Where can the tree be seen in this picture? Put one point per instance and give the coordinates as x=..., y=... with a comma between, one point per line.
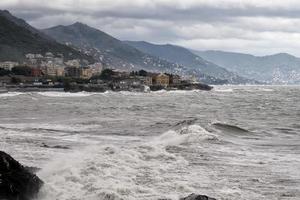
x=4, y=72
x=143, y=73
x=21, y=70
x=106, y=74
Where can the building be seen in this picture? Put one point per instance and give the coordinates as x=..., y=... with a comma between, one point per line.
x=49, y=55
x=96, y=68
x=117, y=74
x=49, y=69
x=33, y=60
x=129, y=84
x=73, y=72
x=30, y=56
x=175, y=79
x=86, y=72
x=60, y=71
x=36, y=72
x=161, y=79
x=58, y=61
x=146, y=80
x=73, y=63
x=8, y=65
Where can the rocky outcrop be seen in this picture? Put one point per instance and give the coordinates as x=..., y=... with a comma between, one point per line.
x=16, y=181
x=197, y=197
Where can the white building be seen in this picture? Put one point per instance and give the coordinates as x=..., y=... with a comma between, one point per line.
x=8, y=65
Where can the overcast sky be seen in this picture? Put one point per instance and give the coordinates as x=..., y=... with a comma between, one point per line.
x=259, y=27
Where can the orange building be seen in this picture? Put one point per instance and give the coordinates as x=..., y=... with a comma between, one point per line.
x=161, y=79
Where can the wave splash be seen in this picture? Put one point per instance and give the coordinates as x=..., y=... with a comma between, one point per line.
x=186, y=134
x=143, y=170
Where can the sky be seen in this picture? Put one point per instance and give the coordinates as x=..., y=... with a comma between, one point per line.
x=259, y=27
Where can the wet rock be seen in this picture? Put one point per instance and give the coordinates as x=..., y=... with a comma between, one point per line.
x=197, y=197
x=16, y=181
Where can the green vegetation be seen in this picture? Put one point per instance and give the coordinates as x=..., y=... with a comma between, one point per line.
x=21, y=70
x=106, y=74
x=139, y=73
x=4, y=72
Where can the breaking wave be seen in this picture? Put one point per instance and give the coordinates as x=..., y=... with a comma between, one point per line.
x=187, y=134
x=229, y=127
x=143, y=170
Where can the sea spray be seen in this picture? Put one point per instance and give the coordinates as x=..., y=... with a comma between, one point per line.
x=127, y=172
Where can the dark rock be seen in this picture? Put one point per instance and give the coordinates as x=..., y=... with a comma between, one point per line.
x=32, y=169
x=197, y=197
x=16, y=181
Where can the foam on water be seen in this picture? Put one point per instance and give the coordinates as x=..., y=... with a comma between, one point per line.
x=11, y=94
x=188, y=134
x=222, y=90
x=140, y=170
x=266, y=89
x=65, y=94
x=249, y=88
x=116, y=150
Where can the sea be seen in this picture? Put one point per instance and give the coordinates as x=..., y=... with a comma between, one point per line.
x=231, y=143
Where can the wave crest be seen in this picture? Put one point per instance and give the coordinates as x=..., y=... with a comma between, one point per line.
x=229, y=127
x=188, y=134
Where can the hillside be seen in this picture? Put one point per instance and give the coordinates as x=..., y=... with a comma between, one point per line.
x=18, y=38
x=107, y=49
x=277, y=68
x=120, y=55
x=185, y=57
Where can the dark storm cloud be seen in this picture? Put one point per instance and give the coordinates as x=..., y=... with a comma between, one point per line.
x=197, y=13
x=264, y=26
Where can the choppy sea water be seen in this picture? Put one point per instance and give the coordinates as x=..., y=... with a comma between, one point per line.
x=235, y=142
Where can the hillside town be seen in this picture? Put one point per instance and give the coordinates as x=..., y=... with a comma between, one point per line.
x=50, y=72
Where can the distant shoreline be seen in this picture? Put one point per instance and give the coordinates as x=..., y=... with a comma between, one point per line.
x=100, y=89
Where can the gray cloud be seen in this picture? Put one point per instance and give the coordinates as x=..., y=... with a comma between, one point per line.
x=258, y=27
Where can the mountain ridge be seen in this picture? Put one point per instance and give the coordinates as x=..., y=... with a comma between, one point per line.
x=185, y=57
x=115, y=53
x=276, y=68
x=18, y=38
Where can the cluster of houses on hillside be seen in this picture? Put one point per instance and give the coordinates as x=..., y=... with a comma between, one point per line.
x=49, y=71
x=144, y=77
x=51, y=65
x=135, y=81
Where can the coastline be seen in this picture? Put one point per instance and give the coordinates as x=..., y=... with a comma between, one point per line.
x=102, y=88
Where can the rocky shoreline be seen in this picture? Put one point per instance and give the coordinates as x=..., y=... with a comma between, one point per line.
x=18, y=182
x=138, y=88
x=103, y=88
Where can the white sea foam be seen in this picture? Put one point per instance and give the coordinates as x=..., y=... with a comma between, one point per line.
x=265, y=89
x=11, y=94
x=140, y=164
x=189, y=134
x=66, y=94
x=112, y=172
x=143, y=170
x=222, y=90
